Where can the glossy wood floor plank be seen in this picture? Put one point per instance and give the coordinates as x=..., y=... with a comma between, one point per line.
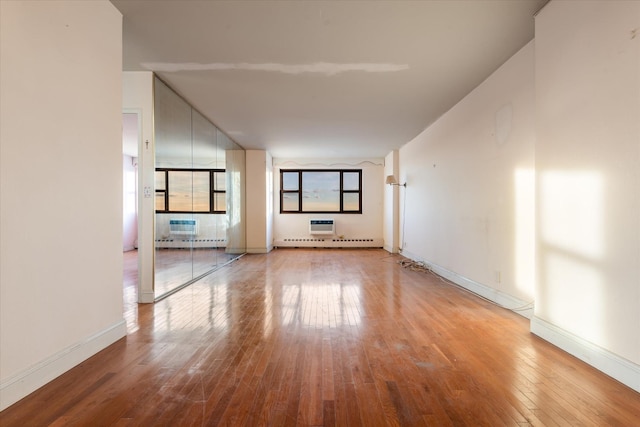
x=325, y=338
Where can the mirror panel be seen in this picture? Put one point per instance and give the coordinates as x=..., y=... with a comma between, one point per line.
x=199, y=194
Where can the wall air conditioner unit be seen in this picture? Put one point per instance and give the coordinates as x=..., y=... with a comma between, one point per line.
x=187, y=227
x=322, y=226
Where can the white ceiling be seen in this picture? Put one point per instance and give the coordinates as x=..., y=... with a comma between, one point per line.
x=324, y=78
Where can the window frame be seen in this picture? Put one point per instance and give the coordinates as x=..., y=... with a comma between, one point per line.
x=212, y=190
x=299, y=191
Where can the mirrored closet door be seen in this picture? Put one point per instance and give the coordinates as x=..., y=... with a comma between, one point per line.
x=199, y=176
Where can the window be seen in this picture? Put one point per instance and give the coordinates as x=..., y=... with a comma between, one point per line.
x=321, y=191
x=190, y=190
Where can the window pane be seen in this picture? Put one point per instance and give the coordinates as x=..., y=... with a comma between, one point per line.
x=290, y=201
x=160, y=184
x=351, y=201
x=290, y=181
x=220, y=201
x=351, y=181
x=321, y=191
x=201, y=191
x=188, y=191
x=219, y=182
x=180, y=192
x=160, y=201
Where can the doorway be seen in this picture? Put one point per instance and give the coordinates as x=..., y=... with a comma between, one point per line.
x=130, y=143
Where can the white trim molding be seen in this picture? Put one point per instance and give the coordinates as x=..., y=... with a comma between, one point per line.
x=260, y=250
x=23, y=383
x=146, y=297
x=628, y=373
x=391, y=249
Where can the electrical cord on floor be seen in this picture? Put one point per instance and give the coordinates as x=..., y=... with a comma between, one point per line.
x=424, y=267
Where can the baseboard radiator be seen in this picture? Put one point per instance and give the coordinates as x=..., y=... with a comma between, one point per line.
x=330, y=242
x=186, y=243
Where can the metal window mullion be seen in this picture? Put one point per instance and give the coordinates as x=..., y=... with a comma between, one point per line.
x=212, y=206
x=299, y=191
x=341, y=191
x=166, y=191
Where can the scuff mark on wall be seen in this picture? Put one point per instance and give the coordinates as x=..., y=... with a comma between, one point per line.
x=326, y=68
x=504, y=118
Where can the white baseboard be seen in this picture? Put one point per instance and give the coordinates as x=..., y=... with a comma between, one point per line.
x=391, y=249
x=23, y=383
x=181, y=243
x=259, y=250
x=505, y=300
x=146, y=297
x=628, y=373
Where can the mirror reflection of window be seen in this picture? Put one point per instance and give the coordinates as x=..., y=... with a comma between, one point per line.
x=219, y=192
x=161, y=190
x=189, y=191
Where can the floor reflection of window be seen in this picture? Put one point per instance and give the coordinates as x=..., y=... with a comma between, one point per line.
x=324, y=305
x=212, y=313
x=219, y=307
x=267, y=327
x=290, y=295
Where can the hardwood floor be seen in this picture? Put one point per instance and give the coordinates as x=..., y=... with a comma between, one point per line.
x=177, y=266
x=326, y=337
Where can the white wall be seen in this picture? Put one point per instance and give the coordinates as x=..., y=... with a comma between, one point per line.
x=356, y=229
x=270, y=200
x=235, y=174
x=390, y=228
x=259, y=175
x=129, y=203
x=137, y=97
x=60, y=188
x=588, y=183
x=469, y=195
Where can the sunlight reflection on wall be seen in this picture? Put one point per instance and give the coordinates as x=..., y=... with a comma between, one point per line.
x=525, y=231
x=234, y=184
x=571, y=249
x=234, y=164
